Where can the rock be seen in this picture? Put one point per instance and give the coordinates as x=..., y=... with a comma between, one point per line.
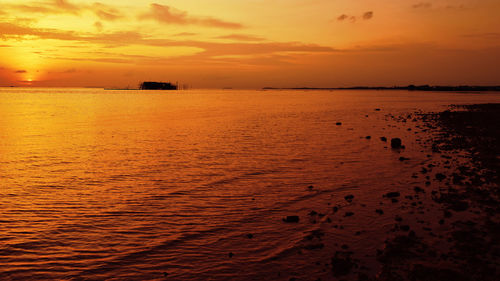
x=459, y=206
x=349, y=214
x=418, y=189
x=339, y=123
x=396, y=143
x=314, y=246
x=310, y=187
x=440, y=177
x=384, y=139
x=392, y=194
x=403, y=158
x=291, y=219
x=165, y=274
x=379, y=211
x=405, y=227
x=231, y=255
x=349, y=198
x=250, y=235
x=447, y=214
x=335, y=209
x=424, y=272
x=342, y=263
x=400, y=248
x=377, y=109
x=368, y=137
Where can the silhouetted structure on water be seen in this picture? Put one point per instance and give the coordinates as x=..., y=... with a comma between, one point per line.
x=157, y=86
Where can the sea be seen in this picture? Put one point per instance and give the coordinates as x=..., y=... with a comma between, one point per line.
x=194, y=185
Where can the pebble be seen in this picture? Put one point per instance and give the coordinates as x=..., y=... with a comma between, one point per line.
x=396, y=143
x=292, y=219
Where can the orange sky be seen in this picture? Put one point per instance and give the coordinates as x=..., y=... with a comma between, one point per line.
x=249, y=43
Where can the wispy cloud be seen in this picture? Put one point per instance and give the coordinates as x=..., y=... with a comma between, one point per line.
x=368, y=15
x=104, y=12
x=98, y=25
x=345, y=17
x=241, y=37
x=422, y=5
x=246, y=46
x=67, y=71
x=65, y=5
x=489, y=35
x=430, y=5
x=168, y=15
x=342, y=17
x=11, y=30
x=185, y=34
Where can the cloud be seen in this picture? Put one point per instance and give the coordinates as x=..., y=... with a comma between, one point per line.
x=168, y=15
x=98, y=25
x=456, y=7
x=185, y=34
x=40, y=9
x=490, y=35
x=368, y=15
x=344, y=17
x=241, y=37
x=10, y=30
x=65, y=5
x=104, y=12
x=422, y=5
x=67, y=71
x=243, y=47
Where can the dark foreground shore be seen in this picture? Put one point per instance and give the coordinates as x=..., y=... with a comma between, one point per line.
x=447, y=227
x=466, y=246
x=461, y=241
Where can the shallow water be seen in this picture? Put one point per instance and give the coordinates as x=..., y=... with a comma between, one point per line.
x=127, y=185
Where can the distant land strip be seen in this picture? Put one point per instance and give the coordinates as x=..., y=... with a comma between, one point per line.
x=408, y=88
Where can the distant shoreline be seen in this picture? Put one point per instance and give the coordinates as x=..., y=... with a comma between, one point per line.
x=426, y=88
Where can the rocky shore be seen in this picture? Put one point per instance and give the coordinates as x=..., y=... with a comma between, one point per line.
x=466, y=241
x=447, y=228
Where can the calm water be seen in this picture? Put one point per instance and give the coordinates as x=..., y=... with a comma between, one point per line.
x=126, y=185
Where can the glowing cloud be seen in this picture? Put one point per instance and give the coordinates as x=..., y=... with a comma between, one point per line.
x=168, y=15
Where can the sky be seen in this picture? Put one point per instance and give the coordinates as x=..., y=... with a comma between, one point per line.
x=249, y=43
